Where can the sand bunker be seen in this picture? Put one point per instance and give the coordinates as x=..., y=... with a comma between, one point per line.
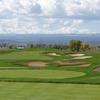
x=76, y=55
x=79, y=56
x=84, y=65
x=97, y=69
x=69, y=62
x=53, y=54
x=83, y=57
x=37, y=63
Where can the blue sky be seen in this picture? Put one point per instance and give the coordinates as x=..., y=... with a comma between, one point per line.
x=49, y=16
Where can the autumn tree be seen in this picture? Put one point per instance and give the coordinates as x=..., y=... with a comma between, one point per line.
x=84, y=46
x=92, y=47
x=75, y=45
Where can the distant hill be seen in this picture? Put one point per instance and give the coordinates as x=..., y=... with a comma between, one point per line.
x=8, y=41
x=49, y=38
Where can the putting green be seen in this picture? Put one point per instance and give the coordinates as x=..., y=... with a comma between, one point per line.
x=47, y=74
x=40, y=91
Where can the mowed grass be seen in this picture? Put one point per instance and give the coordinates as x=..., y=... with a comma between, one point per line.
x=13, y=69
x=22, y=55
x=46, y=74
x=13, y=60
x=46, y=91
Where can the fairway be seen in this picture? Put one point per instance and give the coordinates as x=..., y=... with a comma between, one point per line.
x=34, y=55
x=45, y=91
x=48, y=74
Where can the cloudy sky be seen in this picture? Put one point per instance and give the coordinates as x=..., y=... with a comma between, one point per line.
x=49, y=16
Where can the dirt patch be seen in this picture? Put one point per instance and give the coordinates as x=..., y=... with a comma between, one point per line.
x=53, y=54
x=84, y=65
x=83, y=57
x=37, y=63
x=76, y=55
x=69, y=62
x=97, y=69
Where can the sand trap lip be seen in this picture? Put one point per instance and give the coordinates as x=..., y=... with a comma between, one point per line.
x=53, y=54
x=84, y=65
x=83, y=57
x=76, y=55
x=97, y=69
x=37, y=63
x=69, y=62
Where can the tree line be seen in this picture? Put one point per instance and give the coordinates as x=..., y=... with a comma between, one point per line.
x=74, y=45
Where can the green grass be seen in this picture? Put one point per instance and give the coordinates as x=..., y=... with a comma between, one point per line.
x=37, y=91
x=13, y=69
x=22, y=55
x=13, y=60
x=45, y=74
x=73, y=64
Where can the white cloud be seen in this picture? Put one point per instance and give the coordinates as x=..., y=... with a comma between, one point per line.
x=50, y=20
x=77, y=22
x=46, y=25
x=82, y=8
x=53, y=8
x=1, y=29
x=84, y=31
x=66, y=30
x=48, y=6
x=66, y=23
x=34, y=16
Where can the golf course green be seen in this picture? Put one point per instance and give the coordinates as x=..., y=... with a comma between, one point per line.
x=48, y=74
x=63, y=78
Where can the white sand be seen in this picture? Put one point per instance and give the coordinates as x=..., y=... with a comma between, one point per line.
x=83, y=57
x=53, y=54
x=77, y=55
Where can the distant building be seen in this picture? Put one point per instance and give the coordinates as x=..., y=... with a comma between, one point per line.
x=21, y=47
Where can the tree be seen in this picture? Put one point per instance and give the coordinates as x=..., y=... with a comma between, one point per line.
x=78, y=45
x=49, y=45
x=72, y=45
x=31, y=45
x=84, y=46
x=57, y=46
x=75, y=45
x=92, y=47
x=65, y=47
x=13, y=46
x=4, y=44
x=98, y=47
